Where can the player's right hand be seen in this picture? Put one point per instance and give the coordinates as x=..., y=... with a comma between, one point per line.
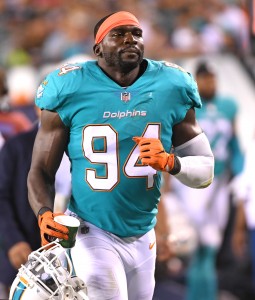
x=50, y=229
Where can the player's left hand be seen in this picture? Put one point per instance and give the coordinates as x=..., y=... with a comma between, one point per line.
x=152, y=153
x=50, y=229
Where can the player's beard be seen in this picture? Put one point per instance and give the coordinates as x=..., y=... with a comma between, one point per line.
x=115, y=60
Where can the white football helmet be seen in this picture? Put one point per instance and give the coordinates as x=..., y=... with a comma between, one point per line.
x=48, y=275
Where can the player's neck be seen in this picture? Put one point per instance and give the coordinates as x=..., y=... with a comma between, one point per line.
x=124, y=77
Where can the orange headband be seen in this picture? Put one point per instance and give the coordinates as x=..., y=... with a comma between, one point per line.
x=115, y=20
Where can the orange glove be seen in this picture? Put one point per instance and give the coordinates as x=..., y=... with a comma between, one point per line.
x=51, y=229
x=153, y=154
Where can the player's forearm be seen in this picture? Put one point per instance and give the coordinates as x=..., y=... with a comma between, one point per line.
x=41, y=190
x=196, y=162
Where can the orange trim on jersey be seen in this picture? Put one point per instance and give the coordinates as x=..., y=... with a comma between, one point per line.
x=118, y=19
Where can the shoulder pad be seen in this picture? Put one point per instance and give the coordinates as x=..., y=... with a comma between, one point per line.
x=175, y=66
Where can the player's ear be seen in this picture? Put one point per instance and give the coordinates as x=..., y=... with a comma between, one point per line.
x=97, y=50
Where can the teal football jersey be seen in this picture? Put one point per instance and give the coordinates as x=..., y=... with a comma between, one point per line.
x=216, y=119
x=110, y=187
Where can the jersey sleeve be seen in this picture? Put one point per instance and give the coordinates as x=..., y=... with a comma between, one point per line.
x=56, y=90
x=191, y=88
x=185, y=84
x=181, y=89
x=47, y=96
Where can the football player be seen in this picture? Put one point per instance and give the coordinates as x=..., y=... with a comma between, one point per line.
x=117, y=118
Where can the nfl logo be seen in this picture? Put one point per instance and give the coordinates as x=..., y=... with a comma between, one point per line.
x=125, y=97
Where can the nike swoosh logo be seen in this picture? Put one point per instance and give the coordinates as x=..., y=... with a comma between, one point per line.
x=151, y=245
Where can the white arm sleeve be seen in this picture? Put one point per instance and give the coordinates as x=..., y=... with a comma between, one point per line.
x=197, y=162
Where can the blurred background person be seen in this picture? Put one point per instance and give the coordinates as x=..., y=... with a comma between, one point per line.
x=243, y=237
x=209, y=209
x=1, y=140
x=19, y=230
x=182, y=240
x=18, y=225
x=11, y=122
